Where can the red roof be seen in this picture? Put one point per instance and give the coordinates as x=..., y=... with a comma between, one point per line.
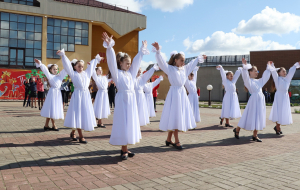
x=94, y=3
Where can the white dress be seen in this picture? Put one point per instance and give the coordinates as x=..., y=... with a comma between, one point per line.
x=140, y=96
x=148, y=87
x=126, y=126
x=254, y=116
x=177, y=113
x=191, y=87
x=101, y=104
x=281, y=109
x=80, y=114
x=53, y=107
x=230, y=104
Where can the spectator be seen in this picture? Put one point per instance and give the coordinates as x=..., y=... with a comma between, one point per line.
x=94, y=89
x=46, y=86
x=111, y=93
x=265, y=92
x=198, y=92
x=40, y=90
x=63, y=88
x=27, y=90
x=154, y=93
x=33, y=93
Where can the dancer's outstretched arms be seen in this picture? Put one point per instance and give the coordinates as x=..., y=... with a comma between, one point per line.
x=266, y=75
x=222, y=72
x=45, y=70
x=160, y=60
x=192, y=64
x=146, y=76
x=136, y=62
x=66, y=63
x=91, y=67
x=292, y=71
x=236, y=75
x=245, y=73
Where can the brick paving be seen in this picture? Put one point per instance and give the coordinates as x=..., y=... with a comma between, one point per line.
x=212, y=158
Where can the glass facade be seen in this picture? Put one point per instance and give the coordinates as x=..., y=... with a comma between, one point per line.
x=20, y=39
x=65, y=34
x=23, y=2
x=221, y=60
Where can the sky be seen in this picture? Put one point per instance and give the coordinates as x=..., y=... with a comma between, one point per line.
x=217, y=27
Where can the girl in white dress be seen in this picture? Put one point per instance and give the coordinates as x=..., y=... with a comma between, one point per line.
x=80, y=114
x=53, y=107
x=281, y=109
x=101, y=104
x=149, y=96
x=141, y=100
x=126, y=126
x=191, y=87
x=254, y=116
x=230, y=104
x=177, y=114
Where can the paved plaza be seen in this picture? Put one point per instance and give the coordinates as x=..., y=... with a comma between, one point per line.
x=212, y=158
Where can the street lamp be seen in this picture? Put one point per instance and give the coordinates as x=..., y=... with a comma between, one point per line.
x=209, y=88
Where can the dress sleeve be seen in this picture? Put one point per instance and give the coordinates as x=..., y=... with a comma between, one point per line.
x=45, y=70
x=161, y=61
x=237, y=75
x=223, y=74
x=66, y=63
x=192, y=64
x=111, y=60
x=245, y=75
x=136, y=62
x=195, y=72
x=274, y=75
x=89, y=70
x=62, y=74
x=146, y=76
x=155, y=83
x=292, y=71
x=266, y=75
x=94, y=75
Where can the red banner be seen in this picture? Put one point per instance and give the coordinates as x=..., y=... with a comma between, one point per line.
x=11, y=82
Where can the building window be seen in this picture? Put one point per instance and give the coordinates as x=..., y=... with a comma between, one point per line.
x=20, y=39
x=65, y=34
x=23, y=2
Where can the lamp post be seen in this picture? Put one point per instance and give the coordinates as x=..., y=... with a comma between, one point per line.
x=209, y=88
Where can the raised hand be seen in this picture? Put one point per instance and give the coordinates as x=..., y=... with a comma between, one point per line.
x=218, y=67
x=244, y=61
x=88, y=63
x=58, y=52
x=156, y=45
x=145, y=43
x=204, y=56
x=270, y=62
x=37, y=61
x=106, y=38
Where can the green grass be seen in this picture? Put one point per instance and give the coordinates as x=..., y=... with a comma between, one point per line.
x=297, y=110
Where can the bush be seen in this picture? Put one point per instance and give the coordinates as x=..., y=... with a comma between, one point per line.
x=297, y=111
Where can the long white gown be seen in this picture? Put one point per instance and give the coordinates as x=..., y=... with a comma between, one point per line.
x=101, y=104
x=230, y=104
x=53, y=107
x=281, y=109
x=148, y=87
x=191, y=87
x=141, y=98
x=126, y=126
x=80, y=114
x=177, y=112
x=254, y=116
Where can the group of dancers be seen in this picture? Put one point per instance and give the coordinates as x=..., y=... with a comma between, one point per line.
x=133, y=107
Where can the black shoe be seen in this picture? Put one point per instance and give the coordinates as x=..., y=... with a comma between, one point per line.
x=102, y=126
x=178, y=147
x=256, y=139
x=35, y=107
x=98, y=125
x=227, y=125
x=169, y=143
x=280, y=132
x=39, y=108
x=221, y=121
x=54, y=129
x=73, y=138
x=124, y=157
x=81, y=141
x=130, y=155
x=47, y=128
x=277, y=132
x=236, y=134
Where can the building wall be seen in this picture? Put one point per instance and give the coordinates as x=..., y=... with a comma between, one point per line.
x=282, y=58
x=127, y=43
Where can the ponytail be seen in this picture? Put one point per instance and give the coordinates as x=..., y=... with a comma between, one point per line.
x=173, y=57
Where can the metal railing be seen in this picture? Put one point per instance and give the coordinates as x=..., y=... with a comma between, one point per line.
x=228, y=60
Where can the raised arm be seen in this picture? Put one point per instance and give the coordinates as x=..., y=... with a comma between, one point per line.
x=136, y=62
x=146, y=76
x=192, y=64
x=222, y=72
x=45, y=70
x=266, y=75
x=91, y=67
x=195, y=72
x=156, y=82
x=274, y=75
x=292, y=71
x=66, y=63
x=159, y=59
x=111, y=56
x=236, y=75
x=245, y=75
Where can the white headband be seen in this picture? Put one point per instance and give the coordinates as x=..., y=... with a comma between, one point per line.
x=175, y=53
x=74, y=61
x=50, y=65
x=227, y=72
x=122, y=54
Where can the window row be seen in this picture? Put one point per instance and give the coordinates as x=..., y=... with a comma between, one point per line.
x=4, y=51
x=21, y=18
x=20, y=26
x=66, y=39
x=67, y=24
x=20, y=35
x=20, y=43
x=67, y=31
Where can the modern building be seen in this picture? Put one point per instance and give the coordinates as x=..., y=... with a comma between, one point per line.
x=38, y=28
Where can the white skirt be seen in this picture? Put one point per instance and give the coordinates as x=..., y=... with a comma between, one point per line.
x=193, y=98
x=177, y=113
x=150, y=104
x=281, y=109
x=231, y=106
x=254, y=116
x=126, y=126
x=101, y=105
x=53, y=105
x=80, y=114
x=142, y=108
